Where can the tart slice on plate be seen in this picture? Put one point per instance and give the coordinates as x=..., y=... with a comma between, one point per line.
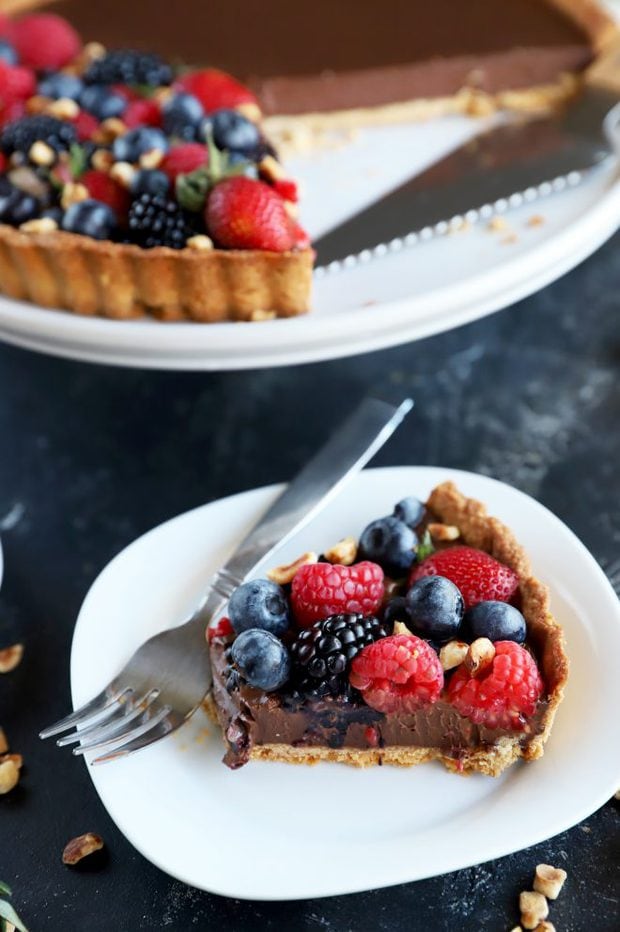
x=427, y=639
x=129, y=188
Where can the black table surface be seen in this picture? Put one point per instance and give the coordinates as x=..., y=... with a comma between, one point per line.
x=91, y=457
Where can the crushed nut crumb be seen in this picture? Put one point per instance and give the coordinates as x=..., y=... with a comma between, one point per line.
x=9, y=776
x=344, y=552
x=81, y=847
x=282, y=575
x=536, y=220
x=250, y=111
x=200, y=243
x=443, y=531
x=73, y=193
x=109, y=130
x=271, y=169
x=545, y=926
x=4, y=744
x=151, y=159
x=549, y=880
x=260, y=314
x=123, y=172
x=17, y=759
x=10, y=657
x=479, y=655
x=453, y=654
x=102, y=160
x=400, y=628
x=63, y=109
x=497, y=224
x=41, y=154
x=39, y=225
x=534, y=908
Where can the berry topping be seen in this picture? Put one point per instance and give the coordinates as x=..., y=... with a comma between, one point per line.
x=90, y=218
x=245, y=214
x=156, y=221
x=323, y=653
x=103, y=188
x=216, y=89
x=183, y=159
x=400, y=673
x=479, y=576
x=396, y=610
x=503, y=694
x=319, y=590
x=45, y=41
x=221, y=629
x=57, y=85
x=16, y=84
x=17, y=206
x=259, y=603
x=131, y=145
x=102, y=102
x=410, y=510
x=85, y=125
x=21, y=135
x=8, y=53
x=150, y=181
x=261, y=659
x=182, y=115
x=142, y=112
x=435, y=608
x=391, y=544
x=235, y=133
x=496, y=621
x=126, y=66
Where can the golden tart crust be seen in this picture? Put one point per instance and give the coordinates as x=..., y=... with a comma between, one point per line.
x=478, y=529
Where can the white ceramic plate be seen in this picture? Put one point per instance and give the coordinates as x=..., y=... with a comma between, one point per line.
x=405, y=296
x=272, y=831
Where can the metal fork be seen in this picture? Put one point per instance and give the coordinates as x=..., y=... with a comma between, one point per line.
x=169, y=676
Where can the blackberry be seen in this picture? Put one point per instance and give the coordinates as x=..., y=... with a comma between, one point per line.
x=20, y=135
x=322, y=653
x=155, y=220
x=127, y=66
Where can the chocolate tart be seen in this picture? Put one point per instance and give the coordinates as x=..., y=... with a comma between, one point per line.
x=258, y=725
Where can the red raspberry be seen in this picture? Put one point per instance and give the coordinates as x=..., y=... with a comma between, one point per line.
x=14, y=110
x=215, y=89
x=184, y=159
x=479, y=577
x=219, y=630
x=400, y=673
x=85, y=125
x=142, y=113
x=287, y=189
x=106, y=189
x=319, y=590
x=245, y=214
x=45, y=41
x=502, y=695
x=16, y=83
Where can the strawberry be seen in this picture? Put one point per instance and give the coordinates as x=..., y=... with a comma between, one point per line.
x=103, y=188
x=45, y=41
x=85, y=125
x=7, y=27
x=245, y=214
x=183, y=159
x=287, y=189
x=478, y=575
x=16, y=83
x=142, y=112
x=216, y=89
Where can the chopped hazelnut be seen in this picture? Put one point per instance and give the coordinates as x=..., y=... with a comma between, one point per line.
x=41, y=154
x=480, y=654
x=497, y=224
x=549, y=880
x=81, y=847
x=10, y=657
x=39, y=225
x=109, y=130
x=344, y=552
x=17, y=759
x=123, y=173
x=443, y=531
x=271, y=169
x=151, y=159
x=453, y=654
x=37, y=104
x=400, y=628
x=260, y=314
x=73, y=193
x=284, y=574
x=4, y=744
x=200, y=243
x=102, y=160
x=535, y=221
x=545, y=926
x=534, y=908
x=63, y=109
x=250, y=111
x=9, y=776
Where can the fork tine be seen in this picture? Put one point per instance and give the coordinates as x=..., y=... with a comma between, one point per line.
x=123, y=711
x=158, y=727
x=90, y=710
x=118, y=730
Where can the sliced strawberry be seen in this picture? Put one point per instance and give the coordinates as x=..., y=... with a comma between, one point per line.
x=103, y=188
x=142, y=112
x=184, y=158
x=85, y=125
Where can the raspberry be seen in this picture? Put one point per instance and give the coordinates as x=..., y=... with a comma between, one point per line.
x=85, y=125
x=502, y=695
x=16, y=83
x=142, y=113
x=319, y=590
x=184, y=159
x=45, y=41
x=215, y=89
x=400, y=673
x=103, y=188
x=479, y=577
x=242, y=213
x=220, y=630
x=287, y=189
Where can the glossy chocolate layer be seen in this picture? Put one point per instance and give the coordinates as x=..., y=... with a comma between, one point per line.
x=350, y=53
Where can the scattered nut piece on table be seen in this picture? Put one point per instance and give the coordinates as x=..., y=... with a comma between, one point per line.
x=549, y=880
x=81, y=847
x=10, y=657
x=9, y=776
x=534, y=908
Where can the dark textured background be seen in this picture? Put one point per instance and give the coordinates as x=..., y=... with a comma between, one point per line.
x=91, y=457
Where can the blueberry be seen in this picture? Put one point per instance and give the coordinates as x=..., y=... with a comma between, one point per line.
x=390, y=543
x=182, y=115
x=90, y=218
x=262, y=659
x=410, y=510
x=496, y=621
x=435, y=608
x=59, y=85
x=54, y=213
x=101, y=102
x=130, y=146
x=8, y=53
x=150, y=181
x=234, y=132
x=396, y=610
x=17, y=207
x=259, y=604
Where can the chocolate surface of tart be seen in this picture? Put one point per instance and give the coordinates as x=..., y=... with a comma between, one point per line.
x=286, y=726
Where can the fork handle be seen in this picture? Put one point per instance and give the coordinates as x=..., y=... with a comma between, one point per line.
x=342, y=457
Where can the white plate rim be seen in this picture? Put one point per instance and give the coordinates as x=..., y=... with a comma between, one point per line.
x=453, y=859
